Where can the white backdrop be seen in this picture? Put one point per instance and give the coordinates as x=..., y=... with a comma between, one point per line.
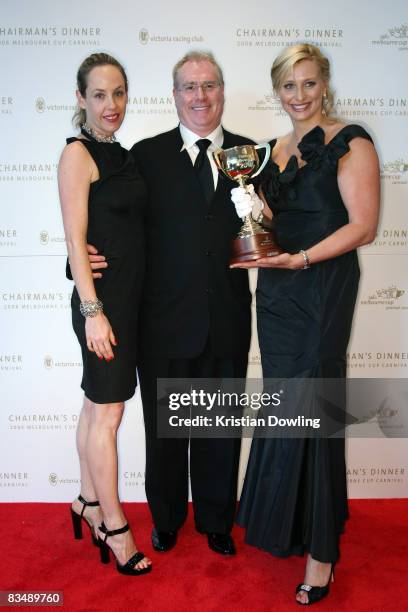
x=42, y=44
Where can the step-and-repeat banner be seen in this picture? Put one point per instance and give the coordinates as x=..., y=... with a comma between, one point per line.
x=42, y=43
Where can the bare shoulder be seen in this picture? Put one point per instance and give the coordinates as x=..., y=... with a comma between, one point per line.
x=74, y=150
x=75, y=159
x=361, y=156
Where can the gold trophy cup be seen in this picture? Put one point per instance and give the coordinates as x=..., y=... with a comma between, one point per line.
x=240, y=164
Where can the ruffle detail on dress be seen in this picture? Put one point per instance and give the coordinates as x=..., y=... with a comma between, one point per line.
x=272, y=180
x=269, y=182
x=315, y=152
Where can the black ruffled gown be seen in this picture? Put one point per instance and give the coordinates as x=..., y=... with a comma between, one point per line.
x=294, y=498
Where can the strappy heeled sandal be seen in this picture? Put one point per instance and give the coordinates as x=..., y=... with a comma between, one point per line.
x=315, y=593
x=78, y=518
x=129, y=567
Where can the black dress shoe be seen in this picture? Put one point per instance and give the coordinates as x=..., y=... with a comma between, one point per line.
x=221, y=543
x=163, y=540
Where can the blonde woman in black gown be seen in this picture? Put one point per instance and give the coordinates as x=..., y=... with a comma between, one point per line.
x=322, y=192
x=102, y=200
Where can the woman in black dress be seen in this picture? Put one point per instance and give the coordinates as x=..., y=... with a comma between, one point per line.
x=102, y=199
x=322, y=192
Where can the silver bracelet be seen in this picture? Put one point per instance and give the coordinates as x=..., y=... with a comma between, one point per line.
x=89, y=308
x=305, y=259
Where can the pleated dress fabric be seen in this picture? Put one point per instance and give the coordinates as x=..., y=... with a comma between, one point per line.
x=294, y=498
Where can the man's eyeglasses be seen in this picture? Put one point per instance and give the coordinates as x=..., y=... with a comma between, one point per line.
x=206, y=86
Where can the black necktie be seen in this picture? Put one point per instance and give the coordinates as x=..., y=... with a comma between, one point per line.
x=203, y=168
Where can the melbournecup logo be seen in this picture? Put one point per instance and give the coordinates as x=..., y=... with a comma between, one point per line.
x=395, y=171
x=396, y=37
x=267, y=102
x=390, y=293
x=397, y=166
x=386, y=296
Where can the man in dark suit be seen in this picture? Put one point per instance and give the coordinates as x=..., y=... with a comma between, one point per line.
x=195, y=317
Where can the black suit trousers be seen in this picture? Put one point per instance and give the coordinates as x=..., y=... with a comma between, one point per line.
x=214, y=462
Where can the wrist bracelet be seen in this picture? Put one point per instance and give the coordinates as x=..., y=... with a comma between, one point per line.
x=89, y=308
x=305, y=259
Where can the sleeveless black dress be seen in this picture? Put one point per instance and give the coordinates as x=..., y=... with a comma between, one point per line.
x=115, y=227
x=294, y=498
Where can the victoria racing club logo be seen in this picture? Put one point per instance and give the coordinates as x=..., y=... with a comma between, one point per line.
x=53, y=479
x=143, y=36
x=40, y=105
x=48, y=362
x=44, y=237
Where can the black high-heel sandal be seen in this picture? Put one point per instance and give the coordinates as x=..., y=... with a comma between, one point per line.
x=315, y=593
x=78, y=518
x=129, y=567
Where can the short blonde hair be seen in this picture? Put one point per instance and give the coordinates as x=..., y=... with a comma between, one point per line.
x=284, y=63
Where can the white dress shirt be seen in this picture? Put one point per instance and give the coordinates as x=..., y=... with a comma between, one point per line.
x=189, y=140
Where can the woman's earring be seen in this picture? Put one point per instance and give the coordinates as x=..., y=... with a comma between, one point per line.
x=324, y=102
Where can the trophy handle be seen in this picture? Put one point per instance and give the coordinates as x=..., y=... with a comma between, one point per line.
x=267, y=148
x=216, y=157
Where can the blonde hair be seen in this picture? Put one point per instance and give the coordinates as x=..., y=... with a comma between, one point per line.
x=198, y=56
x=92, y=61
x=284, y=63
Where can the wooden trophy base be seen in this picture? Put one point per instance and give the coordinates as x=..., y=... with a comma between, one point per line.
x=251, y=248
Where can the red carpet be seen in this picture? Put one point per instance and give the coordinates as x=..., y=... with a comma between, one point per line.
x=39, y=553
